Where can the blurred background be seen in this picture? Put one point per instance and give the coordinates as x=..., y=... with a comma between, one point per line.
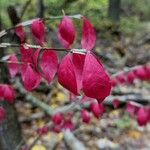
x=123, y=41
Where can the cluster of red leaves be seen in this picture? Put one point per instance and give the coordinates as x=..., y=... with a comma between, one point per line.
x=65, y=121
x=141, y=113
x=141, y=73
x=76, y=72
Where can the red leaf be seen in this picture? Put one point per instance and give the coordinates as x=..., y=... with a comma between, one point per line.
x=13, y=67
x=78, y=61
x=147, y=68
x=88, y=35
x=95, y=109
x=96, y=82
x=35, y=58
x=1, y=92
x=66, y=32
x=30, y=78
x=43, y=130
x=26, y=54
x=2, y=114
x=49, y=64
x=114, y=82
x=140, y=72
x=68, y=125
x=57, y=128
x=142, y=116
x=57, y=118
x=131, y=108
x=121, y=78
x=9, y=94
x=20, y=33
x=38, y=30
x=66, y=74
x=131, y=76
x=85, y=116
x=101, y=107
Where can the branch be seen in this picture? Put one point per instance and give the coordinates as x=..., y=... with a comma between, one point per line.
x=126, y=70
x=29, y=22
x=72, y=141
x=30, y=98
x=79, y=51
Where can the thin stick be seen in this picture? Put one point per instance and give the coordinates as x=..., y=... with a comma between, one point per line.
x=79, y=51
x=29, y=22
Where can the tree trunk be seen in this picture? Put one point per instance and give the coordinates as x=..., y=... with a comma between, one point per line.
x=10, y=132
x=39, y=8
x=114, y=10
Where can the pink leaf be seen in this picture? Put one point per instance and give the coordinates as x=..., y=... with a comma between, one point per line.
x=38, y=30
x=30, y=78
x=85, y=116
x=1, y=92
x=66, y=74
x=147, y=68
x=9, y=93
x=96, y=82
x=88, y=35
x=78, y=61
x=20, y=33
x=101, y=107
x=13, y=67
x=141, y=74
x=114, y=82
x=131, y=108
x=66, y=32
x=95, y=109
x=2, y=114
x=142, y=116
x=68, y=125
x=130, y=77
x=121, y=78
x=49, y=64
x=26, y=54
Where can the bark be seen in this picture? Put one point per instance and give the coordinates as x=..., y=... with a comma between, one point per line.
x=39, y=8
x=10, y=132
x=114, y=10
